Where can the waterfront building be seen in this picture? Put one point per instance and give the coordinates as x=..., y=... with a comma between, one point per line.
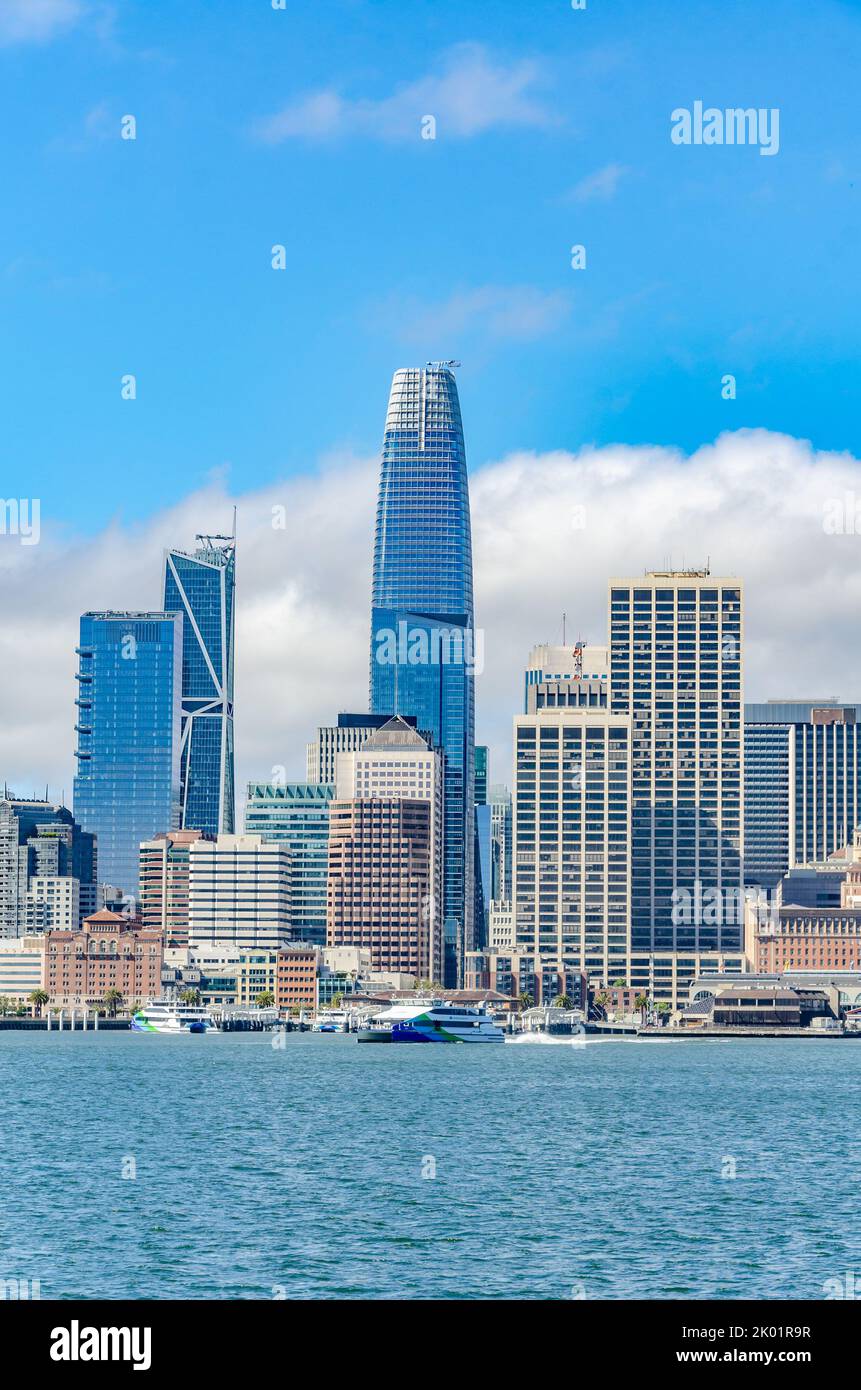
x=200, y=586
x=666, y=976
x=129, y=701
x=676, y=670
x=296, y=977
x=39, y=840
x=256, y=974
x=781, y=935
x=296, y=814
x=558, y=677
x=385, y=852
x=21, y=966
x=238, y=892
x=164, y=868
x=521, y=974
x=572, y=840
x=801, y=784
x=347, y=736
x=424, y=651
x=108, y=953
x=501, y=843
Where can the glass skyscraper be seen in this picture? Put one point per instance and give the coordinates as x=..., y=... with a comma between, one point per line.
x=201, y=587
x=802, y=784
x=423, y=647
x=129, y=697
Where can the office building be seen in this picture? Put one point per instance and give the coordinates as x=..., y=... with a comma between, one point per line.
x=129, y=703
x=164, y=870
x=676, y=670
x=385, y=852
x=296, y=978
x=802, y=774
x=296, y=814
x=501, y=843
x=107, y=953
x=424, y=647
x=572, y=830
x=348, y=735
x=238, y=892
x=39, y=840
x=559, y=677
x=200, y=586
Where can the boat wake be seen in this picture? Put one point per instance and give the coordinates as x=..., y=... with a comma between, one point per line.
x=548, y=1039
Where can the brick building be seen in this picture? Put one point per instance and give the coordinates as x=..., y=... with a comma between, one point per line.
x=109, y=952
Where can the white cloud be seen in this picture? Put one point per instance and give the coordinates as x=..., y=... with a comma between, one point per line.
x=600, y=186
x=34, y=21
x=519, y=313
x=752, y=502
x=467, y=94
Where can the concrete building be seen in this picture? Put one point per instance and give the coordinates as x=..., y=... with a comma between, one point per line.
x=108, y=953
x=164, y=873
x=238, y=892
x=566, y=676
x=516, y=974
x=501, y=927
x=256, y=974
x=501, y=843
x=783, y=935
x=572, y=839
x=52, y=904
x=350, y=733
x=296, y=977
x=385, y=852
x=20, y=966
x=802, y=787
x=42, y=841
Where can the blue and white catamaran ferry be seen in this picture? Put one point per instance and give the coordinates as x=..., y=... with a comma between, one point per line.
x=167, y=1016
x=432, y=1021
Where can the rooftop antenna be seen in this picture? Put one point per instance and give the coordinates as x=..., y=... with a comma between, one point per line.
x=564, y=616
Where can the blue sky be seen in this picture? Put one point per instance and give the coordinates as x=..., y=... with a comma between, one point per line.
x=302, y=127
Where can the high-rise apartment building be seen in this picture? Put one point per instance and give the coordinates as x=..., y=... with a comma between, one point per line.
x=424, y=651
x=129, y=699
x=164, y=876
x=572, y=840
x=200, y=586
x=676, y=668
x=350, y=732
x=802, y=784
x=296, y=814
x=44, y=842
x=558, y=677
x=385, y=853
x=238, y=892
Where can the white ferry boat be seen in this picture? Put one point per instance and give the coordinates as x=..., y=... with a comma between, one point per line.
x=331, y=1021
x=433, y=1021
x=167, y=1016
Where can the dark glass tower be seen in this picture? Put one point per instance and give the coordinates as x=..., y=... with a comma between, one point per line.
x=127, y=782
x=200, y=586
x=423, y=651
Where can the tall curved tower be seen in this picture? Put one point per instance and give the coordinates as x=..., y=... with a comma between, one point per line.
x=423, y=648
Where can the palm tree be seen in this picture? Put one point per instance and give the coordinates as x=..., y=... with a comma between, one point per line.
x=620, y=984
x=112, y=1000
x=38, y=999
x=336, y=1001
x=526, y=1000
x=5, y=1005
x=562, y=1001
x=190, y=996
x=602, y=999
x=265, y=1000
x=641, y=1002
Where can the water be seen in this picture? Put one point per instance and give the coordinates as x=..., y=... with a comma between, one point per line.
x=560, y=1171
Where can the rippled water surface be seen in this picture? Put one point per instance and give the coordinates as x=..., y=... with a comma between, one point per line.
x=598, y=1171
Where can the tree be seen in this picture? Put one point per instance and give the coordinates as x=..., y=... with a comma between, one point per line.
x=602, y=999
x=190, y=996
x=562, y=1001
x=5, y=1005
x=38, y=999
x=112, y=1000
x=265, y=1000
x=641, y=1002
x=620, y=984
x=526, y=1000
x=337, y=1001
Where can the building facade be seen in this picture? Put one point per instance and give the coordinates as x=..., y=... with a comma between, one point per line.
x=43, y=842
x=676, y=669
x=802, y=788
x=296, y=978
x=200, y=586
x=129, y=705
x=108, y=953
x=238, y=892
x=296, y=814
x=567, y=675
x=164, y=873
x=424, y=648
x=347, y=736
x=572, y=840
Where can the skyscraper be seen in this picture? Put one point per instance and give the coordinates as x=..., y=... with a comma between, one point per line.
x=350, y=732
x=129, y=698
x=423, y=642
x=676, y=668
x=296, y=814
x=201, y=587
x=802, y=784
x=44, y=855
